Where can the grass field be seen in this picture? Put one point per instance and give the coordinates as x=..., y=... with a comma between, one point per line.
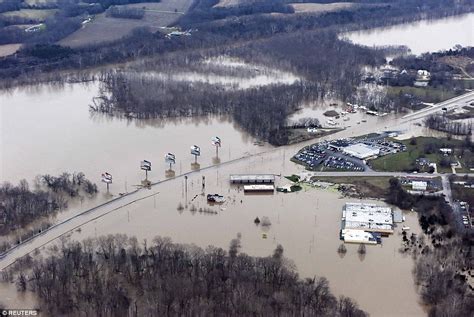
x=322, y=7
x=462, y=193
x=426, y=94
x=375, y=187
x=106, y=29
x=31, y=14
x=36, y=2
x=406, y=161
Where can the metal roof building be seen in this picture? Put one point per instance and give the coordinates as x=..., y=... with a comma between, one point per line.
x=367, y=217
x=361, y=151
x=252, y=178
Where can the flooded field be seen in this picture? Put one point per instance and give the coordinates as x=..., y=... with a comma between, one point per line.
x=49, y=130
x=421, y=36
x=306, y=223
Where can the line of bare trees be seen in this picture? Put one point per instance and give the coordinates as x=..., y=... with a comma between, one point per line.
x=443, y=254
x=116, y=275
x=22, y=206
x=441, y=123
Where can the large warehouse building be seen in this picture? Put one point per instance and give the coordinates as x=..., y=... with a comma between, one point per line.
x=367, y=217
x=361, y=150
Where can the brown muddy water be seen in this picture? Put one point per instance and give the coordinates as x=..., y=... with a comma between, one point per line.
x=421, y=36
x=50, y=131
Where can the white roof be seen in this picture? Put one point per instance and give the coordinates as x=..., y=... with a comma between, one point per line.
x=368, y=217
x=361, y=150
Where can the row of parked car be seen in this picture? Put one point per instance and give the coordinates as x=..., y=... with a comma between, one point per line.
x=341, y=163
x=465, y=219
x=312, y=156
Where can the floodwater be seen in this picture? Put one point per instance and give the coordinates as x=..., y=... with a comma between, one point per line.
x=50, y=130
x=422, y=36
x=306, y=223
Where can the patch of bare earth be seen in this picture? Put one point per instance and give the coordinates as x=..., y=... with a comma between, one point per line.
x=9, y=49
x=321, y=7
x=106, y=29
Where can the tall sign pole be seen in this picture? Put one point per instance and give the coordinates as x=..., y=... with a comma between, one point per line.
x=170, y=159
x=107, y=178
x=146, y=166
x=216, y=141
x=196, y=151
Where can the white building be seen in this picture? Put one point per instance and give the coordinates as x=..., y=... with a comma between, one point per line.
x=361, y=151
x=446, y=151
x=367, y=217
x=419, y=185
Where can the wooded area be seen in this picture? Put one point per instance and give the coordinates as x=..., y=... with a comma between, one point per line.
x=22, y=206
x=116, y=275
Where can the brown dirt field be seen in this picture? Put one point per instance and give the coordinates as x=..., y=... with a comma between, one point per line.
x=9, y=49
x=105, y=29
x=321, y=7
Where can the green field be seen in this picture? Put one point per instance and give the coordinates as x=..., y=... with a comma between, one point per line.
x=374, y=187
x=34, y=15
x=426, y=94
x=425, y=147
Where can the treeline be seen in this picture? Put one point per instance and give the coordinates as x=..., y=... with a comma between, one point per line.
x=444, y=262
x=441, y=123
x=125, y=13
x=117, y=276
x=21, y=205
x=64, y=22
x=222, y=32
x=203, y=11
x=262, y=111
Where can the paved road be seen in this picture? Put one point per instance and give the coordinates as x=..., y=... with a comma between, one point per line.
x=84, y=217
x=449, y=104
x=380, y=174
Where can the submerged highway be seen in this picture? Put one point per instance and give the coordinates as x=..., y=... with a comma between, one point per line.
x=86, y=216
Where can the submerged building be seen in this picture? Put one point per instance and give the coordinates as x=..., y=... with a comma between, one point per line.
x=368, y=218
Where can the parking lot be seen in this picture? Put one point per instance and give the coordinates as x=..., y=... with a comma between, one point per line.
x=320, y=157
x=331, y=156
x=463, y=208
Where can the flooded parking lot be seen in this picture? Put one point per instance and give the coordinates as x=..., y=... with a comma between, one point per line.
x=306, y=223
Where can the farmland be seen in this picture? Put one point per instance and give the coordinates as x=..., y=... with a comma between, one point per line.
x=9, y=49
x=106, y=29
x=322, y=7
x=31, y=14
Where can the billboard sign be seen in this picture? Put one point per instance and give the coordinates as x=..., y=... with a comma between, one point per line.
x=107, y=178
x=145, y=165
x=170, y=158
x=216, y=141
x=195, y=150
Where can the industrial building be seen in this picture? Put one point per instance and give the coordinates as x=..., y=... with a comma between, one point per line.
x=367, y=217
x=359, y=236
x=419, y=185
x=252, y=178
x=361, y=151
x=258, y=188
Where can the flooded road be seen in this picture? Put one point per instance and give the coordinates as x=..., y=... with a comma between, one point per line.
x=306, y=223
x=422, y=36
